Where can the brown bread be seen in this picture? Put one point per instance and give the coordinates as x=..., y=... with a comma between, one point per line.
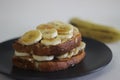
x=42, y=50
x=47, y=66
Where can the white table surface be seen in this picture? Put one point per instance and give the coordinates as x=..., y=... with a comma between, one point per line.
x=18, y=16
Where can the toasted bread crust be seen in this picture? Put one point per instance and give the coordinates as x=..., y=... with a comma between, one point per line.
x=42, y=50
x=48, y=66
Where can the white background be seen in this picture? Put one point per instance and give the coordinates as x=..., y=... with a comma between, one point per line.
x=18, y=16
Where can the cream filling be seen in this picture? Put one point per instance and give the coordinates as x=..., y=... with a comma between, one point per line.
x=49, y=58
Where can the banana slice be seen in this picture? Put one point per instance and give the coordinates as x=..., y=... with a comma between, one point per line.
x=75, y=30
x=42, y=27
x=56, y=23
x=61, y=27
x=62, y=56
x=65, y=29
x=75, y=51
x=65, y=36
x=82, y=46
x=21, y=53
x=43, y=58
x=49, y=33
x=31, y=37
x=53, y=41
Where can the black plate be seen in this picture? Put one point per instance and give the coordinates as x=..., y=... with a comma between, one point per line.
x=98, y=55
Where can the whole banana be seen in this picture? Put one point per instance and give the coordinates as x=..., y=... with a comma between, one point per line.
x=95, y=31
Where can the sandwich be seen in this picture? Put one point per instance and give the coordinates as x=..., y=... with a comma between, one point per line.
x=52, y=46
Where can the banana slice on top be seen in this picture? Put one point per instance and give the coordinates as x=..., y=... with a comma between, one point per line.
x=31, y=37
x=65, y=29
x=53, y=41
x=61, y=27
x=42, y=27
x=48, y=31
x=65, y=36
x=76, y=29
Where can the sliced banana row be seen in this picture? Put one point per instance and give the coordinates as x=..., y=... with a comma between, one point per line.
x=73, y=52
x=48, y=34
x=48, y=58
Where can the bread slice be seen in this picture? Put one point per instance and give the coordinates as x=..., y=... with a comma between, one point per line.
x=47, y=66
x=42, y=50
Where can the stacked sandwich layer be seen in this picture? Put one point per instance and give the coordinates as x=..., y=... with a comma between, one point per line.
x=50, y=47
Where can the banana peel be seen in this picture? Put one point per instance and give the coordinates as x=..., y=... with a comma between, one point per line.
x=95, y=31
